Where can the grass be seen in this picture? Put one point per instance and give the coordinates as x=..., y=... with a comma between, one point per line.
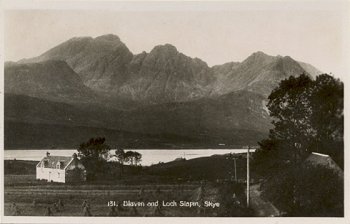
x=216, y=167
x=20, y=167
x=178, y=180
x=19, y=179
x=73, y=197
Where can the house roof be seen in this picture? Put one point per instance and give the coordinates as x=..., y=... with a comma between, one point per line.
x=324, y=160
x=52, y=161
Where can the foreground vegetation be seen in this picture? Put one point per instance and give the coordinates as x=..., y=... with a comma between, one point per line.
x=168, y=182
x=308, y=117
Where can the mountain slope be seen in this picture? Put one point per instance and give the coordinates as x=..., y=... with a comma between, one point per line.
x=106, y=65
x=259, y=73
x=232, y=119
x=97, y=83
x=165, y=75
x=310, y=69
x=101, y=62
x=49, y=79
x=204, y=117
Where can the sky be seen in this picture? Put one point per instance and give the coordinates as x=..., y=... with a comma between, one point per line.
x=311, y=32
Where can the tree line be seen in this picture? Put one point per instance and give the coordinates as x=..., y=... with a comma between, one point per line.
x=95, y=154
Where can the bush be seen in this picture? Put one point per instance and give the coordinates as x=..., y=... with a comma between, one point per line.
x=311, y=191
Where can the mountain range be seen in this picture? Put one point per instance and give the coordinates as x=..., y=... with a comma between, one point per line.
x=160, y=99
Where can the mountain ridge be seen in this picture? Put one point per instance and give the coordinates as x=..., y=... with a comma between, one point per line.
x=164, y=74
x=99, y=83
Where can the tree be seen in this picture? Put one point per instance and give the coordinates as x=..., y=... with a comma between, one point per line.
x=131, y=157
x=93, y=154
x=307, y=117
x=288, y=141
x=137, y=158
x=328, y=118
x=289, y=105
x=120, y=154
x=320, y=191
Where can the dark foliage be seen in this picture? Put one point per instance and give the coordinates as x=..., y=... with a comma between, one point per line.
x=93, y=155
x=201, y=169
x=316, y=192
x=233, y=201
x=132, y=157
x=23, y=167
x=327, y=103
x=308, y=117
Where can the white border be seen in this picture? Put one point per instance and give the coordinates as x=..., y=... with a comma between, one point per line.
x=174, y=6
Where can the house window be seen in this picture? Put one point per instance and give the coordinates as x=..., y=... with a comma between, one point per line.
x=58, y=174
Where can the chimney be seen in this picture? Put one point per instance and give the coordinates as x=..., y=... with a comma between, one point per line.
x=75, y=159
x=47, y=154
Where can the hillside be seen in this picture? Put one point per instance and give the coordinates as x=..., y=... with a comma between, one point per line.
x=176, y=125
x=164, y=75
x=259, y=73
x=50, y=79
x=97, y=83
x=202, y=168
x=100, y=62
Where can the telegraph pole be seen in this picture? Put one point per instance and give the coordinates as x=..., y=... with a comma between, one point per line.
x=248, y=178
x=234, y=159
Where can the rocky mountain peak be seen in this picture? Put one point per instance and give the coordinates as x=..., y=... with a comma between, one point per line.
x=164, y=74
x=259, y=54
x=160, y=92
x=167, y=49
x=258, y=57
x=76, y=39
x=108, y=37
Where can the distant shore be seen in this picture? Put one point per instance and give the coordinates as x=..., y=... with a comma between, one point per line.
x=149, y=156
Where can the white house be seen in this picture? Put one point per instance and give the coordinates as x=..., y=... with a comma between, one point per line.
x=62, y=169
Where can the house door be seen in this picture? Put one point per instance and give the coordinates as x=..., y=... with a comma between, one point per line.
x=49, y=179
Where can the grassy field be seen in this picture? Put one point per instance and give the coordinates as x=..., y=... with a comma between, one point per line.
x=194, y=180
x=98, y=196
x=20, y=167
x=205, y=168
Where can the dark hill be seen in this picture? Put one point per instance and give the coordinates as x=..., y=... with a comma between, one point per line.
x=48, y=79
x=202, y=168
x=185, y=123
